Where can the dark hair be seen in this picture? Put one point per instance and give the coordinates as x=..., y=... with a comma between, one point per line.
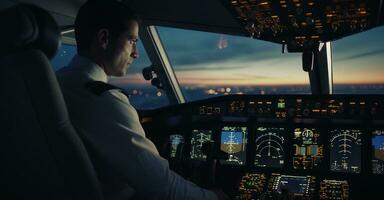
x=98, y=14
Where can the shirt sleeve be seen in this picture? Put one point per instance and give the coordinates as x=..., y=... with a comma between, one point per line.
x=121, y=142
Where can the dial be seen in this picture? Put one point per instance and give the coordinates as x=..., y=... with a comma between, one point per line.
x=307, y=135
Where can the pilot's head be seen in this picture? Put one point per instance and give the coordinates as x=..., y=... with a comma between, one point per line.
x=107, y=32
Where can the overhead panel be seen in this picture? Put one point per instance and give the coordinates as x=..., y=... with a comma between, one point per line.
x=302, y=24
x=202, y=15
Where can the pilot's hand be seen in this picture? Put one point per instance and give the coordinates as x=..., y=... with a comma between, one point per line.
x=220, y=194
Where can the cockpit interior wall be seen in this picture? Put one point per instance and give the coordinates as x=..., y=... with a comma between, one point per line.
x=64, y=12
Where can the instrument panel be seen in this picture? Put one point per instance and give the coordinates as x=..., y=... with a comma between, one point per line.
x=304, y=147
x=296, y=106
x=256, y=186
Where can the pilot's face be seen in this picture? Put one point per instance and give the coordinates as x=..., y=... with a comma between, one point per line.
x=123, y=51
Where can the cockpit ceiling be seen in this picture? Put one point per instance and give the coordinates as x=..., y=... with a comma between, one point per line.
x=205, y=15
x=302, y=24
x=297, y=23
x=64, y=11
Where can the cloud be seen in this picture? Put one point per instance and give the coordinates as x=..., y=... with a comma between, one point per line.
x=197, y=51
x=243, y=62
x=193, y=47
x=361, y=55
x=252, y=76
x=210, y=79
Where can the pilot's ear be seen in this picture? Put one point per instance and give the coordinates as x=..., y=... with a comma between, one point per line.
x=102, y=38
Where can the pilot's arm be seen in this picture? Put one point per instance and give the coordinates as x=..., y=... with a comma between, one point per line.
x=115, y=131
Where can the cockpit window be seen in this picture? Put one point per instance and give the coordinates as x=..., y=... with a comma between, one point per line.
x=358, y=63
x=209, y=64
x=142, y=94
x=63, y=56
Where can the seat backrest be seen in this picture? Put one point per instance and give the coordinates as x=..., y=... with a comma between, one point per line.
x=41, y=155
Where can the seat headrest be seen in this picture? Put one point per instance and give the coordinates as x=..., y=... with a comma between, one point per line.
x=26, y=26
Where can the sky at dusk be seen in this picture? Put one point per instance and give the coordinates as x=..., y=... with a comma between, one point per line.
x=201, y=58
x=359, y=58
x=198, y=56
x=211, y=59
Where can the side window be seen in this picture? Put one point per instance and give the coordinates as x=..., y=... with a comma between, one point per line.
x=142, y=94
x=64, y=56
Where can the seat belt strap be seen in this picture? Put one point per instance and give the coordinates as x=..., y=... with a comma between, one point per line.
x=99, y=87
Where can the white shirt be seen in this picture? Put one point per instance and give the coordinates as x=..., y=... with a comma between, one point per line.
x=124, y=158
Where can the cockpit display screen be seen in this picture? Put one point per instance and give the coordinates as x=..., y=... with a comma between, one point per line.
x=269, y=147
x=308, y=149
x=293, y=184
x=378, y=152
x=234, y=143
x=198, y=139
x=286, y=186
x=345, y=150
x=174, y=141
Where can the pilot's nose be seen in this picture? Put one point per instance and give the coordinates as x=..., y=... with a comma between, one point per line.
x=135, y=52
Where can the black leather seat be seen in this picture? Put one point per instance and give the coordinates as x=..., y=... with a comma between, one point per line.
x=41, y=156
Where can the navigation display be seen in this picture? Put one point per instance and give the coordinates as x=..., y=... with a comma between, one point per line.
x=345, y=150
x=269, y=147
x=297, y=187
x=308, y=150
x=378, y=152
x=294, y=184
x=234, y=143
x=174, y=141
x=199, y=137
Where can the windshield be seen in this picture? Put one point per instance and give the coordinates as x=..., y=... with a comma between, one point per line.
x=209, y=64
x=358, y=63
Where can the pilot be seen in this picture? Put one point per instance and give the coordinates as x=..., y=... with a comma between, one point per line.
x=128, y=163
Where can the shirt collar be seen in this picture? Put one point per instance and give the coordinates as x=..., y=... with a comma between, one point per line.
x=91, y=69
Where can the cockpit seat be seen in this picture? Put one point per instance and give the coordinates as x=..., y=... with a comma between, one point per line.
x=41, y=155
